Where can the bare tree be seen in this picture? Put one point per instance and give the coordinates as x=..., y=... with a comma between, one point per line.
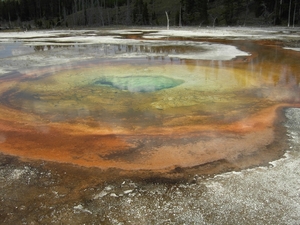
x=65, y=16
x=214, y=12
x=180, y=11
x=168, y=21
x=214, y=18
x=265, y=13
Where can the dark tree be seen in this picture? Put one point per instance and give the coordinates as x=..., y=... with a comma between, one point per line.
x=50, y=13
x=232, y=10
x=145, y=14
x=193, y=12
x=203, y=13
x=140, y=13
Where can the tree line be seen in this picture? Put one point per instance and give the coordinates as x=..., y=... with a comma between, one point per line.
x=51, y=13
x=237, y=12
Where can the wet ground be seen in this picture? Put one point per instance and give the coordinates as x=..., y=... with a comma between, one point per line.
x=146, y=127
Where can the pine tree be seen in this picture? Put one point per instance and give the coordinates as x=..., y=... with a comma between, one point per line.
x=203, y=14
x=145, y=14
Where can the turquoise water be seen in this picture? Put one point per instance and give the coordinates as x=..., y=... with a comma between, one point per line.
x=140, y=83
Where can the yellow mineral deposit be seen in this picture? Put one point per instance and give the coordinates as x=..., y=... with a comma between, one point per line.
x=147, y=114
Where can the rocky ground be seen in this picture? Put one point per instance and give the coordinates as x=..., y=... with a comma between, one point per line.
x=45, y=193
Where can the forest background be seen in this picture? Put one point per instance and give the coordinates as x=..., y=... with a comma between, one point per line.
x=46, y=14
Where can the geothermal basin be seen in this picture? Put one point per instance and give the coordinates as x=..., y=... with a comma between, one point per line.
x=152, y=106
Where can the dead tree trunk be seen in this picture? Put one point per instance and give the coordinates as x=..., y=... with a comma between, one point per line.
x=168, y=21
x=214, y=18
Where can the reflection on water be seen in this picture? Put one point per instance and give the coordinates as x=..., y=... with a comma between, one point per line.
x=14, y=49
x=150, y=113
x=38, y=48
x=110, y=49
x=172, y=49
